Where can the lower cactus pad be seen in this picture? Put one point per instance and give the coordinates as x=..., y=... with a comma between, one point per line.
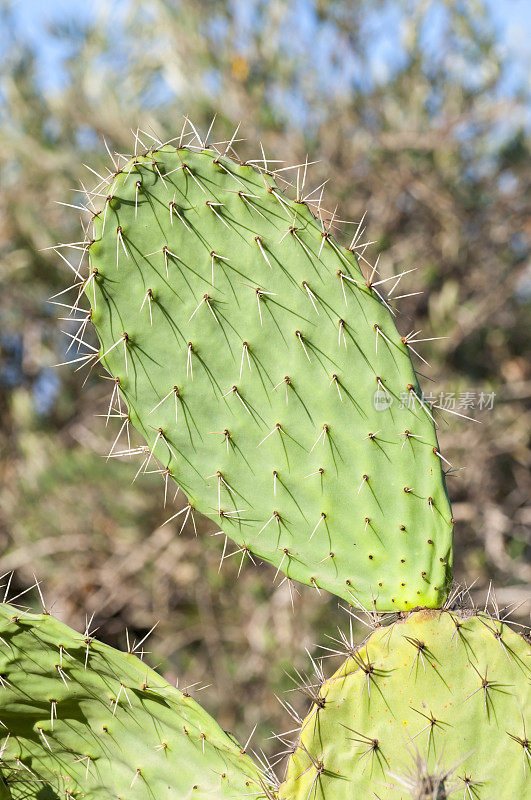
x=82, y=720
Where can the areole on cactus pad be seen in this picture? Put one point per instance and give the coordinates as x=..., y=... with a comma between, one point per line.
x=267, y=377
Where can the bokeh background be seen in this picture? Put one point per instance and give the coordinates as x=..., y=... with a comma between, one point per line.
x=419, y=114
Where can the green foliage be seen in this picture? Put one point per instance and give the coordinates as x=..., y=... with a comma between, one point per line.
x=434, y=704
x=254, y=357
x=84, y=720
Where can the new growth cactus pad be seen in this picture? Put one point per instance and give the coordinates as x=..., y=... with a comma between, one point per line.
x=266, y=375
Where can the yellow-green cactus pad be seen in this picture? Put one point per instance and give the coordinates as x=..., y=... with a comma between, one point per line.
x=431, y=707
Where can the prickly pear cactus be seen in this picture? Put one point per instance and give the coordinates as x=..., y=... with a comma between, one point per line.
x=434, y=704
x=268, y=378
x=80, y=719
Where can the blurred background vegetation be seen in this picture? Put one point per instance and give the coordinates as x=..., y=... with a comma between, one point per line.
x=419, y=114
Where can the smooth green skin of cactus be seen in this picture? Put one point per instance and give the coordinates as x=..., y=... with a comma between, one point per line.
x=339, y=496
x=144, y=738
x=394, y=705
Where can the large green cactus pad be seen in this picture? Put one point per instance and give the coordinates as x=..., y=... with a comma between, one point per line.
x=80, y=719
x=436, y=702
x=249, y=350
